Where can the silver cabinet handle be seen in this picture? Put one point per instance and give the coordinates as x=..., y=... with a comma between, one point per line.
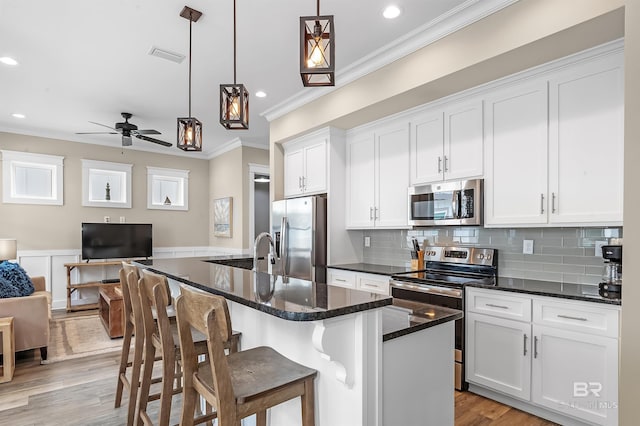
x=299, y=182
x=524, y=349
x=304, y=183
x=541, y=203
x=340, y=280
x=496, y=306
x=535, y=346
x=446, y=164
x=370, y=213
x=439, y=164
x=553, y=202
x=375, y=213
x=369, y=285
x=572, y=318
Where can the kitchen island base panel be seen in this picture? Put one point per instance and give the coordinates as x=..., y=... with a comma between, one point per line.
x=418, y=378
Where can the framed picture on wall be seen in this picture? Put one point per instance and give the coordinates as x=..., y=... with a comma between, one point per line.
x=222, y=217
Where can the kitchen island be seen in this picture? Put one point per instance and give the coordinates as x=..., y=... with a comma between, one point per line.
x=378, y=363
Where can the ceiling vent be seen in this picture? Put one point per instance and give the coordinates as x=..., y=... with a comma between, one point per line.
x=166, y=54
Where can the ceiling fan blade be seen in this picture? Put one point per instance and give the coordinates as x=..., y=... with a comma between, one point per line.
x=147, y=132
x=96, y=133
x=158, y=141
x=103, y=125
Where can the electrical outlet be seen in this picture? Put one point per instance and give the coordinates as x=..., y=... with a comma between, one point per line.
x=121, y=219
x=367, y=241
x=107, y=219
x=598, y=247
x=527, y=247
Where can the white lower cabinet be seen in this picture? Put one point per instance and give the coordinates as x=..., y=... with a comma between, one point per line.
x=358, y=280
x=563, y=357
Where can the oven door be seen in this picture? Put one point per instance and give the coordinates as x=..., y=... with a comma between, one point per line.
x=439, y=296
x=451, y=203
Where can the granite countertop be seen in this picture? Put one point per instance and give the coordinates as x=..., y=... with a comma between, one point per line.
x=371, y=268
x=288, y=298
x=589, y=293
x=405, y=317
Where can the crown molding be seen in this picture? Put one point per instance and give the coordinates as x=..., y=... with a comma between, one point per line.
x=231, y=145
x=455, y=19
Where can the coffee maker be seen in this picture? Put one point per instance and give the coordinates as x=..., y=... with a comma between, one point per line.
x=612, y=273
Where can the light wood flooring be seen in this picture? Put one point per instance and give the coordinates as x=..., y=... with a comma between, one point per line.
x=82, y=391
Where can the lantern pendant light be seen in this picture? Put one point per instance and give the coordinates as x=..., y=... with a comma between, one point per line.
x=190, y=128
x=234, y=98
x=317, y=53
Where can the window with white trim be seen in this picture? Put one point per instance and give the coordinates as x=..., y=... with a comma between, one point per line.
x=106, y=184
x=29, y=178
x=167, y=189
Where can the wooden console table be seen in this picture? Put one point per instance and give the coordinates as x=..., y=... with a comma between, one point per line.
x=111, y=309
x=72, y=287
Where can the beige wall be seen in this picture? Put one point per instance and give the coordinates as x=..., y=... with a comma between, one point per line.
x=58, y=227
x=525, y=34
x=229, y=177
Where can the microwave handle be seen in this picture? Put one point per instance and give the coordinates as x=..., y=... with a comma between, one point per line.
x=456, y=204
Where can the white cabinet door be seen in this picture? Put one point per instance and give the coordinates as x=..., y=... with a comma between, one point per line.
x=463, y=141
x=427, y=140
x=293, y=172
x=361, y=172
x=392, y=177
x=498, y=354
x=576, y=374
x=516, y=156
x=586, y=126
x=315, y=161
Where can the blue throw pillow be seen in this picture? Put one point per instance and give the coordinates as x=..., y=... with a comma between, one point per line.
x=12, y=275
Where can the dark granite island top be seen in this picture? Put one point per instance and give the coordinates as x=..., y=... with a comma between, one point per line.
x=405, y=317
x=589, y=293
x=291, y=298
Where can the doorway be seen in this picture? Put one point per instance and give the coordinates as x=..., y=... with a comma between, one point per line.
x=259, y=205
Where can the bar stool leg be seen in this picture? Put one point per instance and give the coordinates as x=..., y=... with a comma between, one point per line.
x=124, y=360
x=308, y=403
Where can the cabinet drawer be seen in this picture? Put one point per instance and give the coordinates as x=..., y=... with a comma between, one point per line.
x=341, y=278
x=498, y=304
x=373, y=283
x=579, y=316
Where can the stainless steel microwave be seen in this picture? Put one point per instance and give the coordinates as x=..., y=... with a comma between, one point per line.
x=449, y=203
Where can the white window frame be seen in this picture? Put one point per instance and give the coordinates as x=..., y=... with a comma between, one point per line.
x=92, y=169
x=54, y=164
x=155, y=176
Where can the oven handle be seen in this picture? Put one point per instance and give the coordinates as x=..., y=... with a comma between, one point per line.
x=423, y=288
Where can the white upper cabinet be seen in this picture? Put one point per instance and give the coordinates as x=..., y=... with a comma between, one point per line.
x=446, y=144
x=516, y=155
x=586, y=141
x=378, y=178
x=554, y=148
x=305, y=166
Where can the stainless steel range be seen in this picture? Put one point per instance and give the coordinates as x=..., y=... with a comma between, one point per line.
x=446, y=271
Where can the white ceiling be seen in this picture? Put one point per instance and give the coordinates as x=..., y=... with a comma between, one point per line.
x=82, y=61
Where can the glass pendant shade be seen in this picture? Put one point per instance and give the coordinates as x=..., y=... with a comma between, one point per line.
x=234, y=106
x=317, y=40
x=189, y=134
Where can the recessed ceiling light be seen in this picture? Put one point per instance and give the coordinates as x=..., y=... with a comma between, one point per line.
x=260, y=94
x=391, y=12
x=18, y=115
x=8, y=61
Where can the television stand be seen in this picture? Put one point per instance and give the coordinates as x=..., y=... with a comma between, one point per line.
x=81, y=305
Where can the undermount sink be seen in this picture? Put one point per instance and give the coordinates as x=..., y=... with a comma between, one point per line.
x=244, y=263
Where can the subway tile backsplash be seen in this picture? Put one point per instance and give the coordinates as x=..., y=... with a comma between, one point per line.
x=564, y=255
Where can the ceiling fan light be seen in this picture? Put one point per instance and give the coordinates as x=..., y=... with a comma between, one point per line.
x=234, y=106
x=317, y=53
x=189, y=134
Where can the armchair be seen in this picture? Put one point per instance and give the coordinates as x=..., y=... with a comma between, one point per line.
x=31, y=318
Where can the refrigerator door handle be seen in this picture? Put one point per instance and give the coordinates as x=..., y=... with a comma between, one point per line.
x=284, y=245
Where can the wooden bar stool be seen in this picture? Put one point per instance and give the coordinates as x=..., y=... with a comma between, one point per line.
x=161, y=335
x=240, y=384
x=8, y=349
x=133, y=325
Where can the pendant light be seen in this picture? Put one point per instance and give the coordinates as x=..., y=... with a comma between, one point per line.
x=190, y=128
x=317, y=42
x=234, y=98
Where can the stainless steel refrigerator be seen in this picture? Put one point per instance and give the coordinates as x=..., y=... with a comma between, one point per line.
x=299, y=230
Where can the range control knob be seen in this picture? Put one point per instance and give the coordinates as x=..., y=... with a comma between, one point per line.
x=488, y=257
x=481, y=256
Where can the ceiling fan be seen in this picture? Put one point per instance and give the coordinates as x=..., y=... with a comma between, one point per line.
x=127, y=130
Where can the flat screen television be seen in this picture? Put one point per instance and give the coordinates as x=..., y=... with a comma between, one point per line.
x=116, y=240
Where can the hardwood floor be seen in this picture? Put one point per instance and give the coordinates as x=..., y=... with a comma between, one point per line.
x=82, y=391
